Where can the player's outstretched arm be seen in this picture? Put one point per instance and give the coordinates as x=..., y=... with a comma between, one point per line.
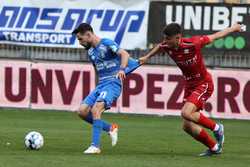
x=153, y=52
x=124, y=57
x=234, y=28
x=124, y=62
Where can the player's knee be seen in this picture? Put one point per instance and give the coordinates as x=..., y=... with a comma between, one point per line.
x=96, y=113
x=83, y=112
x=185, y=114
x=97, y=110
x=186, y=126
x=98, y=107
x=188, y=111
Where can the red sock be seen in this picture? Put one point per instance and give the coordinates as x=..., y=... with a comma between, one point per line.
x=206, y=122
x=204, y=138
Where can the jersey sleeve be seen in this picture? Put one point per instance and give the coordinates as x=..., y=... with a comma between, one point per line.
x=113, y=46
x=201, y=41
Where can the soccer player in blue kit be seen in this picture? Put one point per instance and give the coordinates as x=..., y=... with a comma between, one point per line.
x=111, y=64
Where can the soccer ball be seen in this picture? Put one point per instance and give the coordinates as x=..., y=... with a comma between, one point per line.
x=33, y=140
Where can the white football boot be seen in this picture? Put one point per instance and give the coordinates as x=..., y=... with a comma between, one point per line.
x=113, y=133
x=92, y=150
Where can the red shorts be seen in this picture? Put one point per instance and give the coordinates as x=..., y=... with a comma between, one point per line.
x=199, y=94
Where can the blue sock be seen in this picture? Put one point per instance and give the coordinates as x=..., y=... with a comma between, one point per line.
x=96, y=132
x=105, y=126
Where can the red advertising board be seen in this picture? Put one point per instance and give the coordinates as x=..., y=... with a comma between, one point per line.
x=149, y=90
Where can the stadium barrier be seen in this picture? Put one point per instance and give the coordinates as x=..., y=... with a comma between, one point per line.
x=149, y=90
x=229, y=59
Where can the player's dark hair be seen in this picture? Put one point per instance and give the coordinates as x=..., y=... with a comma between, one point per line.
x=82, y=28
x=172, y=29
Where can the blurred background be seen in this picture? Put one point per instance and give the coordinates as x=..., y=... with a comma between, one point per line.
x=222, y=57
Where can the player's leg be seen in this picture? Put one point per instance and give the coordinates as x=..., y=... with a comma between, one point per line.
x=198, y=97
x=85, y=114
x=217, y=128
x=190, y=126
x=107, y=95
x=198, y=132
x=189, y=112
x=96, y=110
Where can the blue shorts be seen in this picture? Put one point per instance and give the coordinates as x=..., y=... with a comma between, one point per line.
x=106, y=92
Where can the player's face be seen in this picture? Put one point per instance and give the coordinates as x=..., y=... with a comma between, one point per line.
x=172, y=41
x=85, y=39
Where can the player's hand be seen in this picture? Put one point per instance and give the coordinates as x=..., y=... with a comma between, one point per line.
x=143, y=60
x=121, y=75
x=237, y=27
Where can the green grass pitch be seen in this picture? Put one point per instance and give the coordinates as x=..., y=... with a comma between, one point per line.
x=144, y=141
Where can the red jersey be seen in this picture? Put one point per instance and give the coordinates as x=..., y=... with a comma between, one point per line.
x=189, y=59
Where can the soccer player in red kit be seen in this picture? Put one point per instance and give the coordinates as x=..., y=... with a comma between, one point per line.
x=186, y=52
